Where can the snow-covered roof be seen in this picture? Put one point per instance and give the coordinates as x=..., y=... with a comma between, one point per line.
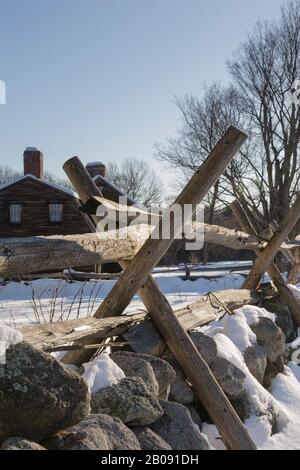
x=95, y=163
x=55, y=186
x=105, y=181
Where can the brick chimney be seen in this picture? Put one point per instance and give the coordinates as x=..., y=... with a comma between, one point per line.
x=34, y=162
x=97, y=168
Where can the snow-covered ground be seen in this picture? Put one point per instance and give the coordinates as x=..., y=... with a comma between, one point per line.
x=233, y=335
x=23, y=303
x=48, y=299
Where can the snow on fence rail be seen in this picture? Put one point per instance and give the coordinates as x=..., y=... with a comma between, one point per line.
x=20, y=256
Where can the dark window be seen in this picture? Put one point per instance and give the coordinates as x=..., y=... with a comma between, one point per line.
x=55, y=212
x=15, y=213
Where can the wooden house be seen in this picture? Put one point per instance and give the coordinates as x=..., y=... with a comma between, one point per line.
x=32, y=206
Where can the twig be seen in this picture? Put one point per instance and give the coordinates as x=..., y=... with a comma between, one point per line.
x=78, y=347
x=221, y=304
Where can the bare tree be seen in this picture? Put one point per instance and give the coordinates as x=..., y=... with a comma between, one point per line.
x=57, y=180
x=137, y=180
x=266, y=174
x=8, y=174
x=204, y=121
x=264, y=71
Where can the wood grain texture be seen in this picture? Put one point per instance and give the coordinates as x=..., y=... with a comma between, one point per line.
x=19, y=256
x=144, y=337
x=266, y=257
x=33, y=254
x=197, y=314
x=273, y=271
x=81, y=180
x=86, y=330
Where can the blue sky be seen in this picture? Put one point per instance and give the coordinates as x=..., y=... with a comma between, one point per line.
x=96, y=78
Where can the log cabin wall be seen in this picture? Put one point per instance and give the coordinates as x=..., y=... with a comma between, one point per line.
x=35, y=197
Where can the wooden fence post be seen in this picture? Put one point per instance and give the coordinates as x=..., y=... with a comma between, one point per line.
x=272, y=269
x=294, y=269
x=266, y=257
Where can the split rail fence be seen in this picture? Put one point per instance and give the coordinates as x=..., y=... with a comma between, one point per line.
x=151, y=330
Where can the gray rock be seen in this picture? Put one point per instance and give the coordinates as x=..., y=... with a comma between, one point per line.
x=256, y=361
x=129, y=400
x=97, y=432
x=17, y=443
x=271, y=337
x=230, y=378
x=206, y=346
x=273, y=369
x=166, y=394
x=164, y=372
x=134, y=366
x=284, y=318
x=149, y=440
x=177, y=428
x=39, y=396
x=180, y=391
x=144, y=338
x=232, y=381
x=195, y=416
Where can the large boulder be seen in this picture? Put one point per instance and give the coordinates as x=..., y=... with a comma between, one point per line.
x=97, y=432
x=284, y=318
x=233, y=383
x=177, y=428
x=256, y=360
x=149, y=440
x=206, y=346
x=17, y=443
x=180, y=390
x=39, y=396
x=129, y=400
x=134, y=366
x=164, y=372
x=195, y=416
x=230, y=378
x=271, y=337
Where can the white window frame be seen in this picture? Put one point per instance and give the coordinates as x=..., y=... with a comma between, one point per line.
x=56, y=212
x=15, y=213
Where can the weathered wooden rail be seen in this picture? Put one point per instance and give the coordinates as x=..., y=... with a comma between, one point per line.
x=20, y=256
x=267, y=256
x=92, y=330
x=269, y=265
x=29, y=255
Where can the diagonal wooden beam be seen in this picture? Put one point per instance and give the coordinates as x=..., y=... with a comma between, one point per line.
x=196, y=370
x=289, y=256
x=208, y=390
x=273, y=228
x=273, y=271
x=266, y=257
x=153, y=250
